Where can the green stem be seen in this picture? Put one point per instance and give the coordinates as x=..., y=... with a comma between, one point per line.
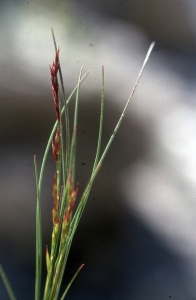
x=7, y=284
x=38, y=239
x=73, y=150
x=72, y=280
x=126, y=106
x=101, y=122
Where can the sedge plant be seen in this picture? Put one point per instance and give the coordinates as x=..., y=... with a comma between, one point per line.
x=64, y=188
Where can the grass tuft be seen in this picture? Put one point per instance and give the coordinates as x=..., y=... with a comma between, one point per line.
x=64, y=187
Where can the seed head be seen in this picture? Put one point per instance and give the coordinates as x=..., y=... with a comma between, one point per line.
x=54, y=80
x=56, y=144
x=55, y=216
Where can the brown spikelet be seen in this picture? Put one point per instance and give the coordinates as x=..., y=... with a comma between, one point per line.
x=55, y=87
x=56, y=145
x=55, y=217
x=72, y=198
x=47, y=259
x=68, y=214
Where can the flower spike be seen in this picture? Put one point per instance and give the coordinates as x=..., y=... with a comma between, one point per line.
x=55, y=86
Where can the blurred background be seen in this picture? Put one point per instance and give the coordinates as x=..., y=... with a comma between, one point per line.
x=137, y=235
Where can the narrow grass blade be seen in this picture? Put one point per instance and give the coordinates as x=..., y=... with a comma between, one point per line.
x=73, y=150
x=7, y=284
x=38, y=239
x=100, y=123
x=72, y=280
x=127, y=104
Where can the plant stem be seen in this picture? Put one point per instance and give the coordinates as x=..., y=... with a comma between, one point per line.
x=7, y=284
x=38, y=239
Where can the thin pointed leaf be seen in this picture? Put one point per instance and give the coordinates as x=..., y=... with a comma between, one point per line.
x=72, y=280
x=7, y=284
x=38, y=239
x=100, y=123
x=73, y=150
x=127, y=104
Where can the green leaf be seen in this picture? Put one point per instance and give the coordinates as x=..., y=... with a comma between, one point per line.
x=72, y=280
x=38, y=239
x=7, y=284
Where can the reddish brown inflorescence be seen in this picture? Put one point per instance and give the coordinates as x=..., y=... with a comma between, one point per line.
x=55, y=216
x=55, y=87
x=56, y=144
x=72, y=193
x=56, y=140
